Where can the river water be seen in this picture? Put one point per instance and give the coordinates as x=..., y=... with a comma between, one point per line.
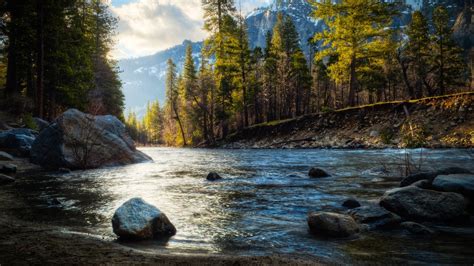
x=259, y=208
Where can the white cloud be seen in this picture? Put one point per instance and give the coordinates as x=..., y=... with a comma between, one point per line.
x=148, y=26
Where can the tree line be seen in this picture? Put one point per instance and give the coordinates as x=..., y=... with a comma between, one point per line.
x=55, y=56
x=360, y=58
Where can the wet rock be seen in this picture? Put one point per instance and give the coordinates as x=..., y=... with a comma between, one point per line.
x=416, y=228
x=332, y=224
x=55, y=202
x=431, y=175
x=375, y=216
x=351, y=203
x=40, y=123
x=136, y=220
x=17, y=141
x=425, y=205
x=317, y=173
x=76, y=140
x=425, y=184
x=212, y=176
x=5, y=156
x=8, y=169
x=4, y=179
x=459, y=183
x=64, y=170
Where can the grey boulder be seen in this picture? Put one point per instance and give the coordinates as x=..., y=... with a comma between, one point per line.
x=136, y=220
x=332, y=224
x=459, y=183
x=17, y=141
x=430, y=176
x=76, y=140
x=425, y=205
x=375, y=217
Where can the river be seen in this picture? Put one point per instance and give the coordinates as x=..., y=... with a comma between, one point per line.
x=259, y=208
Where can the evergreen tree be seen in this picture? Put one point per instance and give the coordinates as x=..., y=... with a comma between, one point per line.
x=172, y=104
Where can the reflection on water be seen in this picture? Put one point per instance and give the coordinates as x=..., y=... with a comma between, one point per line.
x=259, y=207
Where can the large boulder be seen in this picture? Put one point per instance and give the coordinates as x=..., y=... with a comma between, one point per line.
x=76, y=140
x=460, y=183
x=375, y=216
x=430, y=176
x=136, y=219
x=17, y=141
x=332, y=224
x=425, y=205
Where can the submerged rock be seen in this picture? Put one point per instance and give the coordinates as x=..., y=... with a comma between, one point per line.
x=212, y=176
x=351, y=203
x=459, y=183
x=416, y=228
x=422, y=204
x=430, y=176
x=136, y=219
x=317, y=172
x=8, y=169
x=5, y=156
x=332, y=224
x=76, y=140
x=375, y=217
x=17, y=141
x=4, y=179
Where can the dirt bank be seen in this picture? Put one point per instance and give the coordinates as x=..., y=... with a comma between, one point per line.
x=437, y=122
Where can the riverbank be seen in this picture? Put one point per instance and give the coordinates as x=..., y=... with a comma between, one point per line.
x=436, y=122
x=23, y=242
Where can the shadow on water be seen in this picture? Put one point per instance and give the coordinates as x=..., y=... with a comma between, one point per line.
x=259, y=208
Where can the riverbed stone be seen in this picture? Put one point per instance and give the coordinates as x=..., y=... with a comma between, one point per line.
x=213, y=176
x=351, y=203
x=425, y=205
x=76, y=140
x=17, y=141
x=317, y=173
x=332, y=224
x=430, y=176
x=137, y=219
x=459, y=183
x=375, y=216
x=5, y=156
x=4, y=179
x=416, y=228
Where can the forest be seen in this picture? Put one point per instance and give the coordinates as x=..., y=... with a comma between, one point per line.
x=56, y=56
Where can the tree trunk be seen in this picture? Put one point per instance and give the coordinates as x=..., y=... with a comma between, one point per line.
x=40, y=62
x=352, y=82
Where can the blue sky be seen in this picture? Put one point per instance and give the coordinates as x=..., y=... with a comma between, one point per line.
x=148, y=26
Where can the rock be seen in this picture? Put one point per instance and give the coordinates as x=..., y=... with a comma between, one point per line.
x=212, y=176
x=375, y=216
x=8, y=169
x=136, y=219
x=76, y=140
x=4, y=179
x=317, y=172
x=332, y=224
x=55, y=202
x=40, y=123
x=374, y=133
x=64, y=170
x=416, y=228
x=17, y=141
x=431, y=175
x=5, y=156
x=351, y=203
x=425, y=184
x=459, y=183
x=425, y=205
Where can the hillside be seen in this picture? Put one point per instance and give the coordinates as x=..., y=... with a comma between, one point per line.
x=446, y=121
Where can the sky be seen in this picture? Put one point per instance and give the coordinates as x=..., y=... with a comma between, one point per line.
x=148, y=26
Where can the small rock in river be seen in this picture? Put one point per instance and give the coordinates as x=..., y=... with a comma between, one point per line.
x=317, y=172
x=213, y=176
x=332, y=224
x=351, y=203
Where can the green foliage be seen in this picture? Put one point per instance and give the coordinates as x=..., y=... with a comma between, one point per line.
x=29, y=122
x=413, y=135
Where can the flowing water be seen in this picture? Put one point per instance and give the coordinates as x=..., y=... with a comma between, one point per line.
x=259, y=208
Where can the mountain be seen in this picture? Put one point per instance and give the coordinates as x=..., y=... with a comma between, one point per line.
x=144, y=77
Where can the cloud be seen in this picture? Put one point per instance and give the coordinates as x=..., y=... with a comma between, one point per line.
x=148, y=26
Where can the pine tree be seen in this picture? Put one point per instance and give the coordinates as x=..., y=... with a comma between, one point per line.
x=173, y=99
x=449, y=66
